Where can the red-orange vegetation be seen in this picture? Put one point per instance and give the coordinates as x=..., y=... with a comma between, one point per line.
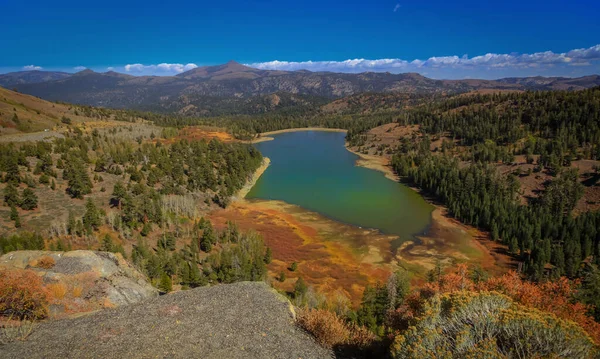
x=22, y=295
x=197, y=134
x=556, y=296
x=45, y=262
x=327, y=266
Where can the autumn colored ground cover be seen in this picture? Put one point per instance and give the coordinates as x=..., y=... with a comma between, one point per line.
x=337, y=258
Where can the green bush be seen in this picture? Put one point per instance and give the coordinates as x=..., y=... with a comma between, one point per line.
x=489, y=325
x=21, y=241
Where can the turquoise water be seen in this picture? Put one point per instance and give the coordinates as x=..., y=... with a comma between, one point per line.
x=313, y=169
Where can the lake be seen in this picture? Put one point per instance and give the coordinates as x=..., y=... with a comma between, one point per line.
x=314, y=170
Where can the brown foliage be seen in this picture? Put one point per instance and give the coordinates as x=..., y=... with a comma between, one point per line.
x=45, y=262
x=330, y=330
x=22, y=295
x=557, y=296
x=57, y=290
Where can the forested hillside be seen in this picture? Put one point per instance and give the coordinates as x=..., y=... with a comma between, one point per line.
x=125, y=187
x=551, y=132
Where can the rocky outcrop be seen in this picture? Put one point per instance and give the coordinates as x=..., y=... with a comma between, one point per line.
x=82, y=281
x=241, y=320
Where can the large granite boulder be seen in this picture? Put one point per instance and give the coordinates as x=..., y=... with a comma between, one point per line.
x=241, y=320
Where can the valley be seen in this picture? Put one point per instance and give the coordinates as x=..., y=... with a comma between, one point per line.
x=296, y=179
x=330, y=205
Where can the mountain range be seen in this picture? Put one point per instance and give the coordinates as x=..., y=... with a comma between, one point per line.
x=233, y=88
x=30, y=77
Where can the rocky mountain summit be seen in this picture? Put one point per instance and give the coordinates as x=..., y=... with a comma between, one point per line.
x=241, y=320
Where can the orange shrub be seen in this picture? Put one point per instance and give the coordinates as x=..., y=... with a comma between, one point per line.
x=327, y=328
x=330, y=330
x=555, y=296
x=77, y=291
x=22, y=295
x=45, y=262
x=57, y=290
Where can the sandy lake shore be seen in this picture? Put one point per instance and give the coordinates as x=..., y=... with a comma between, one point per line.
x=242, y=193
x=377, y=163
x=447, y=239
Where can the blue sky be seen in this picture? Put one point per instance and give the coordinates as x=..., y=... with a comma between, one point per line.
x=399, y=36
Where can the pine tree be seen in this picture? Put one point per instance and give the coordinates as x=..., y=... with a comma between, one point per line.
x=119, y=193
x=205, y=244
x=167, y=242
x=146, y=229
x=197, y=278
x=11, y=195
x=12, y=171
x=29, y=200
x=513, y=246
x=268, y=256
x=18, y=221
x=165, y=284
x=79, y=183
x=71, y=224
x=92, y=218
x=14, y=214
x=300, y=288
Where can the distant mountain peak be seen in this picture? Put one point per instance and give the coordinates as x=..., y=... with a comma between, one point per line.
x=234, y=66
x=84, y=72
x=229, y=70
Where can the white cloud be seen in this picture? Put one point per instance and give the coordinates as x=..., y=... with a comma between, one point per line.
x=31, y=67
x=397, y=7
x=79, y=68
x=490, y=61
x=583, y=61
x=163, y=68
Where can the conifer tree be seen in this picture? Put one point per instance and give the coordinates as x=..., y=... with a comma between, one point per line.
x=29, y=200
x=92, y=219
x=11, y=195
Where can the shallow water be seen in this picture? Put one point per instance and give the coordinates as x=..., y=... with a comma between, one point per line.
x=314, y=170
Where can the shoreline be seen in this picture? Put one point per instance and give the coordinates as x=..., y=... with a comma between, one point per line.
x=446, y=237
x=243, y=192
x=442, y=227
x=376, y=163
x=264, y=136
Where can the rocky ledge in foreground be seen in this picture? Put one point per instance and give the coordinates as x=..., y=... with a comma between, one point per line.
x=83, y=281
x=241, y=320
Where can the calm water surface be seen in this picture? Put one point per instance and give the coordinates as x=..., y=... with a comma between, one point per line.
x=314, y=170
